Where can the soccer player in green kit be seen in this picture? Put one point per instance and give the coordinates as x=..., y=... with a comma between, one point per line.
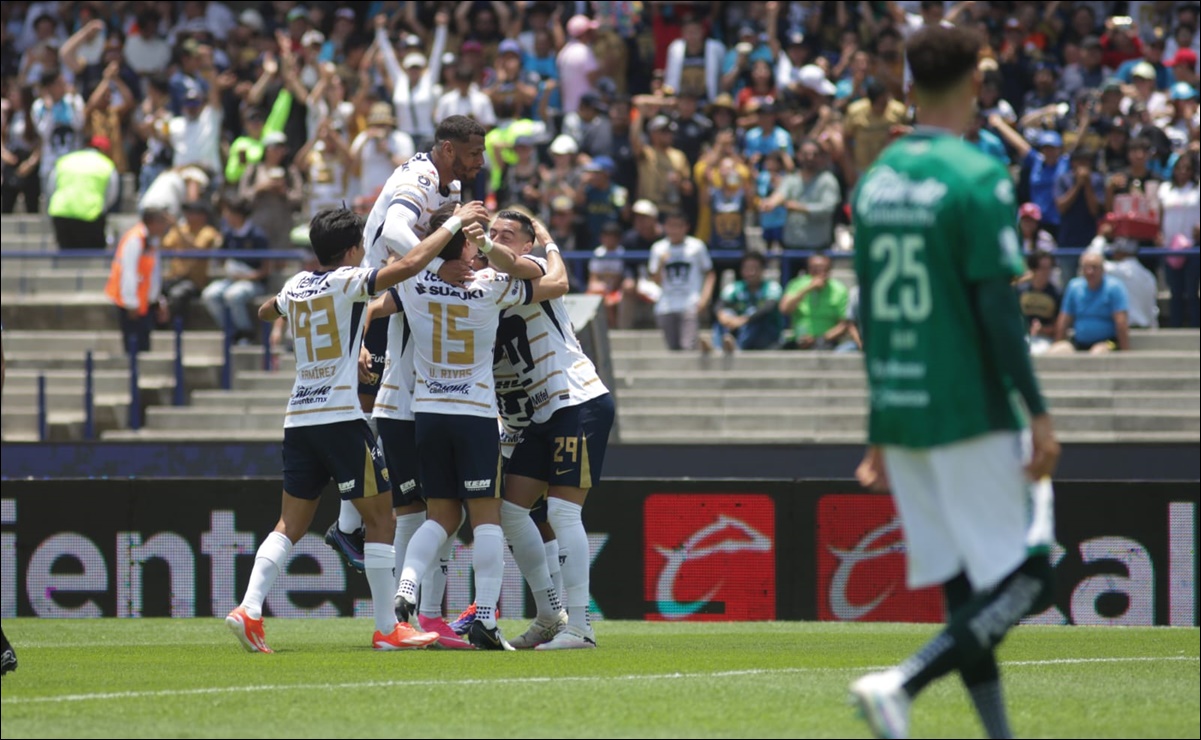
x=936, y=249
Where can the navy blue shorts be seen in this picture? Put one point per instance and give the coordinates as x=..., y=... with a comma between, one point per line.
x=398, y=439
x=568, y=449
x=344, y=451
x=376, y=341
x=458, y=456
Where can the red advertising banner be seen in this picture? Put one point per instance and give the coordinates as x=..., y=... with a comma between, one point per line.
x=861, y=564
x=709, y=557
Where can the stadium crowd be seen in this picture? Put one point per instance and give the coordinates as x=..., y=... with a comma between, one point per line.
x=674, y=128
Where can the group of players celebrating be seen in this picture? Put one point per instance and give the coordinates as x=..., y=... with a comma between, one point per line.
x=434, y=318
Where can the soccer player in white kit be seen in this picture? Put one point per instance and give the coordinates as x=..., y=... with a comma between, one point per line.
x=455, y=410
x=325, y=435
x=397, y=221
x=560, y=454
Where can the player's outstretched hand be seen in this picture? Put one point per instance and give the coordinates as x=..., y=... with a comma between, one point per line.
x=1045, y=455
x=871, y=473
x=473, y=212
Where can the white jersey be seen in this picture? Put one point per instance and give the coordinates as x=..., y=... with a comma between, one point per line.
x=684, y=267
x=325, y=312
x=454, y=330
x=538, y=354
x=415, y=188
x=399, y=379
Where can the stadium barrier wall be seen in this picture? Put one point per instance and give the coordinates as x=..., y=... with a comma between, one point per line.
x=665, y=550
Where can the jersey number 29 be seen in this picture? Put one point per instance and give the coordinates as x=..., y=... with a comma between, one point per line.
x=905, y=267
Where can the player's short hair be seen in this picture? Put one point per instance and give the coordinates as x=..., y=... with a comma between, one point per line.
x=527, y=224
x=333, y=232
x=940, y=58
x=458, y=128
x=454, y=248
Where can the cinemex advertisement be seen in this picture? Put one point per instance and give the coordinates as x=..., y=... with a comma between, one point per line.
x=1125, y=553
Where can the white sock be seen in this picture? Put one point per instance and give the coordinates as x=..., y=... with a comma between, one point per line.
x=433, y=585
x=552, y=565
x=488, y=559
x=378, y=559
x=423, y=548
x=526, y=546
x=406, y=525
x=565, y=517
x=271, y=556
x=349, y=519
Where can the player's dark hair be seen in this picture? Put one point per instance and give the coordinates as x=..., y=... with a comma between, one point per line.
x=458, y=128
x=333, y=232
x=454, y=248
x=527, y=224
x=940, y=58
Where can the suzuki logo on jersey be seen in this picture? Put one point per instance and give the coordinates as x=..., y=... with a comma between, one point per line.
x=450, y=291
x=861, y=564
x=710, y=557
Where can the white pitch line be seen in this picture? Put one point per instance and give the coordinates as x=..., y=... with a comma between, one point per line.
x=115, y=695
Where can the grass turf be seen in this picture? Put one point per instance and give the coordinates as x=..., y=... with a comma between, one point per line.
x=189, y=678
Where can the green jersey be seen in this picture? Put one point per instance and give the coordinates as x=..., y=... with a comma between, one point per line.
x=933, y=217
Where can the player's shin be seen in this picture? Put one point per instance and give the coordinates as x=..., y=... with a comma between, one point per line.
x=378, y=560
x=552, y=564
x=566, y=518
x=526, y=545
x=406, y=526
x=423, y=548
x=488, y=559
x=349, y=519
x=271, y=556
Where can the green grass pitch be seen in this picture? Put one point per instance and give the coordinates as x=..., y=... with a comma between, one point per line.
x=189, y=678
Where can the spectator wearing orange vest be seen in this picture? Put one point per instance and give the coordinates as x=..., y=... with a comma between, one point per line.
x=135, y=281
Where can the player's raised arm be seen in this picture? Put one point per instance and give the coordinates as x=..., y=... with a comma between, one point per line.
x=427, y=249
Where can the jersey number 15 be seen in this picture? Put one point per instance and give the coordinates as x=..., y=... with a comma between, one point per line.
x=904, y=267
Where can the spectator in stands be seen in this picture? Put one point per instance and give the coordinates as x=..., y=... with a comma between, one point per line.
x=1180, y=208
x=707, y=176
x=21, y=152
x=512, y=88
x=986, y=141
x=275, y=191
x=1137, y=177
x=184, y=279
x=1040, y=300
x=562, y=226
x=816, y=303
x=1142, y=287
x=610, y=277
x=772, y=220
x=465, y=99
x=146, y=51
x=1089, y=73
x=1183, y=67
x=693, y=129
x=244, y=277
x=748, y=315
x=664, y=176
x=646, y=230
x=1079, y=198
x=151, y=124
x=729, y=203
x=106, y=112
x=196, y=135
x=1177, y=123
x=810, y=195
x=1042, y=168
x=766, y=137
x=58, y=118
x=590, y=127
x=135, y=279
x=1095, y=307
x=579, y=69
x=681, y=266
x=174, y=187
x=328, y=160
x=694, y=62
x=379, y=149
x=414, y=80
x=870, y=124
x=1034, y=237
x=83, y=188
x=599, y=199
x=563, y=177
